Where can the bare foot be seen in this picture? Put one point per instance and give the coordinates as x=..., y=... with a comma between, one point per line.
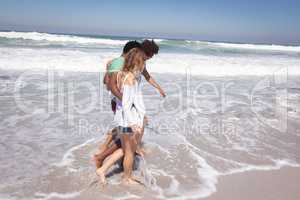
x=101, y=175
x=131, y=181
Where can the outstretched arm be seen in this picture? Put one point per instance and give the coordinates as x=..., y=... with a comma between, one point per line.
x=152, y=82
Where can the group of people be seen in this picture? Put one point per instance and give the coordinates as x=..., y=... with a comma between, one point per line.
x=123, y=79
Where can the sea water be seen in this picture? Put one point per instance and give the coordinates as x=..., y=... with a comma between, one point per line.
x=230, y=108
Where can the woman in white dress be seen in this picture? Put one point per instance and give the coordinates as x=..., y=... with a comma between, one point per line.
x=129, y=116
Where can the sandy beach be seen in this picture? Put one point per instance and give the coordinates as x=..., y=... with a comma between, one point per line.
x=259, y=185
x=228, y=129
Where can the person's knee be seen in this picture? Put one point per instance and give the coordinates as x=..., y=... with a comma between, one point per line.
x=128, y=150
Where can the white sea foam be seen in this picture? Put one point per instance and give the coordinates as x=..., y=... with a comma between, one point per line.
x=128, y=196
x=94, y=61
x=211, y=158
x=222, y=66
x=263, y=47
x=53, y=59
x=209, y=175
x=44, y=196
x=64, y=38
x=60, y=38
x=68, y=157
x=260, y=47
x=278, y=164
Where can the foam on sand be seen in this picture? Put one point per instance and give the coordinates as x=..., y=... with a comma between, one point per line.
x=55, y=195
x=68, y=157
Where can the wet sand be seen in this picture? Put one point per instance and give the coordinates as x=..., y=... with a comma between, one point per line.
x=280, y=184
x=186, y=161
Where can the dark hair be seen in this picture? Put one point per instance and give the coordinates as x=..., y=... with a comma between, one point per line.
x=131, y=45
x=150, y=48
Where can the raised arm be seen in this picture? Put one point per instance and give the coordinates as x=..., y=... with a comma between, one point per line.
x=113, y=85
x=152, y=82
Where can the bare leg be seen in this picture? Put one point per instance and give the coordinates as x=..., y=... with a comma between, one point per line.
x=118, y=154
x=134, y=142
x=128, y=157
x=105, y=144
x=139, y=136
x=103, y=147
x=99, y=158
x=109, y=139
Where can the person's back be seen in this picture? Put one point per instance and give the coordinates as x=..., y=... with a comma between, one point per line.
x=116, y=64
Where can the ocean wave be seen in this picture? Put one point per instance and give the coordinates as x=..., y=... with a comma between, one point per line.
x=36, y=36
x=173, y=63
x=261, y=47
x=49, y=39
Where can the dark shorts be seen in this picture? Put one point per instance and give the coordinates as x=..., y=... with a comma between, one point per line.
x=125, y=130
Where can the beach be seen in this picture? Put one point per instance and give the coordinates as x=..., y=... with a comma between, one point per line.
x=228, y=129
x=275, y=185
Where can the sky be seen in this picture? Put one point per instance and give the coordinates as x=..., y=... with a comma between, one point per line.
x=247, y=21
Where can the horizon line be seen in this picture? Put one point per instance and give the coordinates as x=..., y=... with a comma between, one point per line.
x=133, y=36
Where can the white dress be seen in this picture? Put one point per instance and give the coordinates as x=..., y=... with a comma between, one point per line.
x=131, y=110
